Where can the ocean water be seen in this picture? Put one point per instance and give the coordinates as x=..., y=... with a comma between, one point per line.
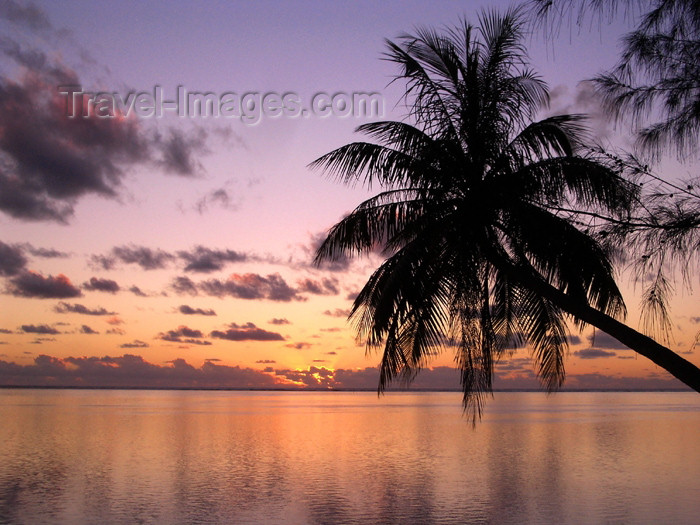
x=181, y=457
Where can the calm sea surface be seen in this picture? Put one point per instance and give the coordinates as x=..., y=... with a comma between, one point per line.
x=86, y=456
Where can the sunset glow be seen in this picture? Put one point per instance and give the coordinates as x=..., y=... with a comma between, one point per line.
x=176, y=251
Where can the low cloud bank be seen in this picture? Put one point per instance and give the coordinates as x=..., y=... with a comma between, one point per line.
x=132, y=371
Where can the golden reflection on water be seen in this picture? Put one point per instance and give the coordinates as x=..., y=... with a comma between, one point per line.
x=271, y=457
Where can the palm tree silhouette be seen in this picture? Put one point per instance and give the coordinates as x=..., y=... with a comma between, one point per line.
x=477, y=257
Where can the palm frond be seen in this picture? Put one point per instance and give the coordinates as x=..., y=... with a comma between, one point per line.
x=547, y=332
x=480, y=217
x=565, y=256
x=367, y=162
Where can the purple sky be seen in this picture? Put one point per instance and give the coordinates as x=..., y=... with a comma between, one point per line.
x=147, y=251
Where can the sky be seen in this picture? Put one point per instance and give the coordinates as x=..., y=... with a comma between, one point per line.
x=171, y=246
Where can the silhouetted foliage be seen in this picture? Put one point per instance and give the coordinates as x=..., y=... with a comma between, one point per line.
x=657, y=78
x=479, y=252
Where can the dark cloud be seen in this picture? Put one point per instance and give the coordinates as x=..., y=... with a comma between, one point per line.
x=41, y=340
x=85, y=329
x=184, y=285
x=101, y=285
x=115, y=331
x=27, y=15
x=338, y=312
x=593, y=353
x=57, y=145
x=76, y=308
x=229, y=195
x=351, y=296
x=573, y=339
x=115, y=321
x=6, y=331
x=130, y=371
x=695, y=320
x=179, y=150
x=199, y=259
x=31, y=284
x=220, y=197
x=45, y=253
x=278, y=321
x=12, y=259
x=51, y=160
x=137, y=291
x=188, y=310
x=266, y=361
x=102, y=262
x=246, y=332
x=514, y=364
x=206, y=260
x=247, y=286
x=39, y=329
x=146, y=258
x=191, y=341
x=299, y=346
x=332, y=329
x=134, y=344
x=183, y=334
x=595, y=381
x=323, y=287
x=332, y=353
x=133, y=371
x=32, y=59
x=602, y=340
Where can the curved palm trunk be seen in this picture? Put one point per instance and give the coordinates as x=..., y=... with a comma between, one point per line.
x=680, y=368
